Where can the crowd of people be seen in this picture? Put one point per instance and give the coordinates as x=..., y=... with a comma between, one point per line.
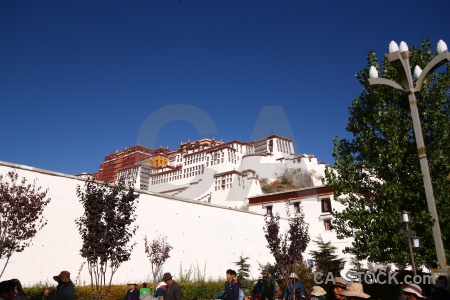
x=265, y=288
x=167, y=289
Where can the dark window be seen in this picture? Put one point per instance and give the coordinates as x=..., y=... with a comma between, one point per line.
x=326, y=205
x=327, y=224
x=269, y=210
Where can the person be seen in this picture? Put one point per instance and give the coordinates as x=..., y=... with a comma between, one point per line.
x=65, y=290
x=20, y=292
x=241, y=290
x=440, y=290
x=133, y=292
x=145, y=290
x=160, y=290
x=8, y=290
x=173, y=290
x=339, y=286
x=269, y=290
x=231, y=286
x=257, y=287
x=413, y=292
x=294, y=289
x=354, y=291
x=318, y=293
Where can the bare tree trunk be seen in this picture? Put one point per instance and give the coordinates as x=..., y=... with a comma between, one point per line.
x=4, y=267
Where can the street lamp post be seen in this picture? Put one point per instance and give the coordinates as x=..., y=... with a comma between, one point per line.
x=413, y=240
x=399, y=59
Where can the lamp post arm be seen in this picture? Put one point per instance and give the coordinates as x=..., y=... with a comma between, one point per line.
x=384, y=81
x=400, y=61
x=440, y=59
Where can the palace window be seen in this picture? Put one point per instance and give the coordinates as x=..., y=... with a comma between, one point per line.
x=327, y=224
x=326, y=205
x=269, y=210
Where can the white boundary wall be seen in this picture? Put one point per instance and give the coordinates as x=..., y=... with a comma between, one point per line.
x=203, y=235
x=314, y=217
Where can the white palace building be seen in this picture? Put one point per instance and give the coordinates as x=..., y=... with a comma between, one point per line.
x=207, y=170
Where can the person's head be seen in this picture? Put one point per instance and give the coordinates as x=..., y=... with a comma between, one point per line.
x=293, y=277
x=443, y=279
x=318, y=291
x=339, y=286
x=355, y=291
x=265, y=275
x=230, y=274
x=17, y=284
x=132, y=285
x=440, y=286
x=144, y=285
x=8, y=289
x=162, y=285
x=167, y=278
x=413, y=292
x=63, y=277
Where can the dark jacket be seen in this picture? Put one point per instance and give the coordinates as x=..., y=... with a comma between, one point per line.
x=159, y=292
x=231, y=290
x=173, y=292
x=20, y=296
x=299, y=291
x=132, y=294
x=257, y=288
x=64, y=291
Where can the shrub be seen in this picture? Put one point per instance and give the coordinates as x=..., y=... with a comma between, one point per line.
x=189, y=290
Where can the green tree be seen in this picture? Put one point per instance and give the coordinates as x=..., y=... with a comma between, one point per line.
x=243, y=273
x=377, y=172
x=325, y=259
x=106, y=228
x=21, y=208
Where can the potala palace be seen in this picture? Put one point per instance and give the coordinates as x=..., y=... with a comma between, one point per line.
x=225, y=173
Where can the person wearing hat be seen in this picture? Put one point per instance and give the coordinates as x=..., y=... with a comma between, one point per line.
x=413, y=292
x=270, y=287
x=257, y=287
x=294, y=289
x=133, y=292
x=173, y=290
x=339, y=286
x=65, y=290
x=318, y=293
x=160, y=289
x=355, y=292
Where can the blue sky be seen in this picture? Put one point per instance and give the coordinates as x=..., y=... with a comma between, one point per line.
x=80, y=79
